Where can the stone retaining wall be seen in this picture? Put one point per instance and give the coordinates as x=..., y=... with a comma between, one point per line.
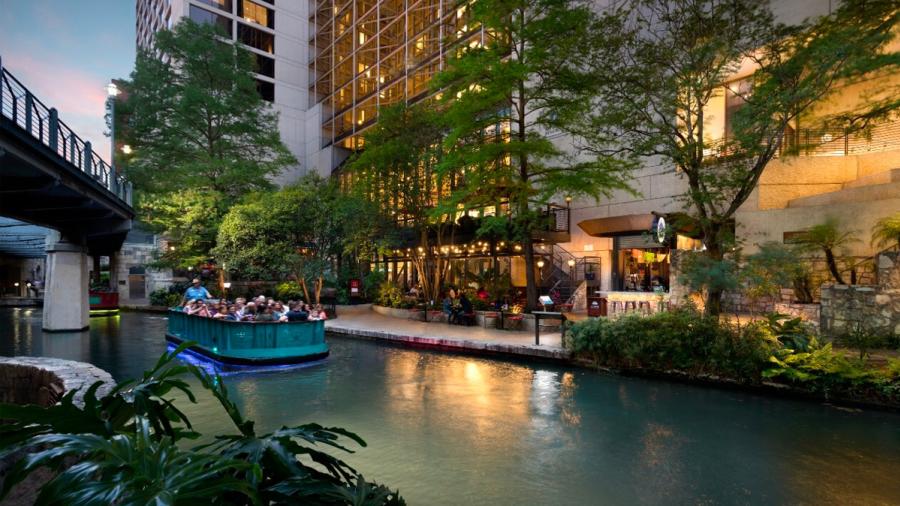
x=874, y=309
x=43, y=381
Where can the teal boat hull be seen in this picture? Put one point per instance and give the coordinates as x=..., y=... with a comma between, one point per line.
x=249, y=343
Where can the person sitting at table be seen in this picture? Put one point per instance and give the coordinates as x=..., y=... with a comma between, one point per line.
x=447, y=306
x=465, y=308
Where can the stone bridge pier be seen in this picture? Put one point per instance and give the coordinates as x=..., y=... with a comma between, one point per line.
x=66, y=301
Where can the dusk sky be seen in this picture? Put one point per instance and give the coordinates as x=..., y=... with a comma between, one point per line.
x=66, y=51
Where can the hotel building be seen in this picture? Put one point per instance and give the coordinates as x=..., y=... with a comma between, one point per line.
x=328, y=66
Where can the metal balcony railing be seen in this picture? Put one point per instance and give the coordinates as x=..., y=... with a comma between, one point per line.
x=26, y=111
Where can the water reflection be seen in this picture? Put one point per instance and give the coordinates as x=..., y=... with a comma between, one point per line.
x=449, y=429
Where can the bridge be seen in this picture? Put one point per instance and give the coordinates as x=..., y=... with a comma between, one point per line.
x=50, y=177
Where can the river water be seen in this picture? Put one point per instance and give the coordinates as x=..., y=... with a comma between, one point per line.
x=451, y=429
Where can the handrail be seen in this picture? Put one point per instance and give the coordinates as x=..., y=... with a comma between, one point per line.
x=825, y=141
x=29, y=113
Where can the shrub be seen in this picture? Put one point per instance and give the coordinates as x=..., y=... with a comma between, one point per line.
x=129, y=448
x=289, y=290
x=681, y=339
x=372, y=284
x=389, y=295
x=159, y=297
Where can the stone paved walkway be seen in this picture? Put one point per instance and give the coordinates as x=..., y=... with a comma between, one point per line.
x=361, y=321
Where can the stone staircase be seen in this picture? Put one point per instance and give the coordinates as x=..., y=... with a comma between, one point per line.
x=879, y=186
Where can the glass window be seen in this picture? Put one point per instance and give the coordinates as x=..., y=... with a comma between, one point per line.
x=266, y=90
x=225, y=5
x=255, y=13
x=204, y=16
x=256, y=38
x=264, y=65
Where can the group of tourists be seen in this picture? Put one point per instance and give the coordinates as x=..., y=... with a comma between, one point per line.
x=260, y=309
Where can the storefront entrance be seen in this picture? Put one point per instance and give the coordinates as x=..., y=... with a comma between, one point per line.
x=640, y=264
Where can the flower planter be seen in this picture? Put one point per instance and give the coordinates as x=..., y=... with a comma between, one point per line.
x=513, y=322
x=436, y=316
x=487, y=319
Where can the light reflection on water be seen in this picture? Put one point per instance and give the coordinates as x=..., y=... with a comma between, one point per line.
x=451, y=429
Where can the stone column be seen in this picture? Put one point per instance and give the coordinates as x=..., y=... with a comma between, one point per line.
x=66, y=304
x=114, y=271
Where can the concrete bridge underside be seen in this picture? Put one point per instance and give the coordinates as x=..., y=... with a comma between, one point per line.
x=42, y=185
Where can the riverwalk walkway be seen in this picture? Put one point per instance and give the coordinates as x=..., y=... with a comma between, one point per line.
x=361, y=321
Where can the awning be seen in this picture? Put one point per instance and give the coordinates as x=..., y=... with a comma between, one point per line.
x=618, y=225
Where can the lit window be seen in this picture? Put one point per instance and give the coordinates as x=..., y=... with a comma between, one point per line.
x=254, y=13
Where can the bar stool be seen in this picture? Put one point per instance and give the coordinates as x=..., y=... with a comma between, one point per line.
x=631, y=303
x=644, y=307
x=613, y=307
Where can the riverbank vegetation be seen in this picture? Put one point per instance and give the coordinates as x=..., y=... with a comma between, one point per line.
x=775, y=351
x=131, y=446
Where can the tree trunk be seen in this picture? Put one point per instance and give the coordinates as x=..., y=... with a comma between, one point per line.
x=713, y=304
x=832, y=267
x=305, y=291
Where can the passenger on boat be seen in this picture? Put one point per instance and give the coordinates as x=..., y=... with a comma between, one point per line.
x=265, y=314
x=196, y=292
x=221, y=312
x=233, y=315
x=249, y=314
x=296, y=313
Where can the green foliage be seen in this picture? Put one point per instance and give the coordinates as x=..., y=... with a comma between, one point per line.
x=372, y=284
x=774, y=267
x=886, y=232
x=296, y=231
x=389, y=295
x=863, y=338
x=289, y=290
x=501, y=103
x=201, y=136
x=163, y=297
x=683, y=340
x=704, y=273
x=125, y=448
x=659, y=66
x=778, y=349
x=828, y=239
x=792, y=333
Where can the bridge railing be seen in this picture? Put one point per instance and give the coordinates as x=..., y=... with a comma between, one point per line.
x=30, y=114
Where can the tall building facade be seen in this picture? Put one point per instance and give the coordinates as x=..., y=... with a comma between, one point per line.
x=276, y=35
x=329, y=66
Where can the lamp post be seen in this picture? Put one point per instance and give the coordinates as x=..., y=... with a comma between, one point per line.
x=226, y=285
x=112, y=91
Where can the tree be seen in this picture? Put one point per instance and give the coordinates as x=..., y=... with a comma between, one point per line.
x=396, y=172
x=503, y=104
x=886, y=232
x=201, y=136
x=659, y=64
x=297, y=232
x=828, y=239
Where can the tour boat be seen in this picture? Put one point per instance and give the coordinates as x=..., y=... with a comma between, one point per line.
x=249, y=343
x=103, y=303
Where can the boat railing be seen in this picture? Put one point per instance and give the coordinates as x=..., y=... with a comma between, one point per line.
x=223, y=335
